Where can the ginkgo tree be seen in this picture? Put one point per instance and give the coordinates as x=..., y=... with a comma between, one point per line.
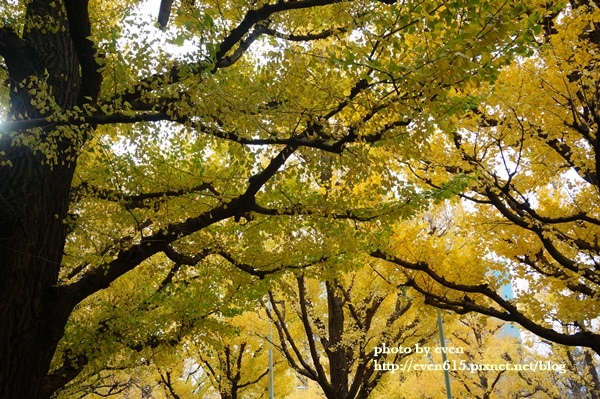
x=120, y=158
x=527, y=152
x=485, y=341
x=338, y=332
x=236, y=363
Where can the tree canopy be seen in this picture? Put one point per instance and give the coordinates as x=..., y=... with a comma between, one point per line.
x=529, y=162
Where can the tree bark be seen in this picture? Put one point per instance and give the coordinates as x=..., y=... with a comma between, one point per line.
x=336, y=349
x=34, y=201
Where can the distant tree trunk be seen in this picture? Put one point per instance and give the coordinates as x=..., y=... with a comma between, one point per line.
x=227, y=395
x=339, y=360
x=34, y=200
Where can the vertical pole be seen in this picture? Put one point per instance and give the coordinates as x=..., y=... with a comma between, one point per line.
x=271, y=376
x=444, y=357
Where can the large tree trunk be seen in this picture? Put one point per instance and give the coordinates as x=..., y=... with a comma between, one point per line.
x=34, y=200
x=32, y=243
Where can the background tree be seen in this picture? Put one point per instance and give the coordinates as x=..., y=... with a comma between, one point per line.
x=528, y=156
x=117, y=152
x=485, y=340
x=328, y=330
x=237, y=365
x=228, y=358
x=584, y=367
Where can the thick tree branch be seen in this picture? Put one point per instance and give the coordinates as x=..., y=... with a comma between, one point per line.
x=13, y=50
x=263, y=13
x=325, y=144
x=254, y=381
x=168, y=384
x=102, y=276
x=359, y=215
x=80, y=30
x=509, y=311
x=135, y=201
x=164, y=13
x=72, y=366
x=254, y=271
x=306, y=37
x=241, y=49
x=182, y=259
x=310, y=336
x=285, y=337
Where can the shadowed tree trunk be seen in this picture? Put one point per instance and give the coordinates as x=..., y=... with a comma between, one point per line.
x=34, y=198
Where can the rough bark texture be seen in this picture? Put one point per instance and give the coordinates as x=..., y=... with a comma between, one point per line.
x=33, y=205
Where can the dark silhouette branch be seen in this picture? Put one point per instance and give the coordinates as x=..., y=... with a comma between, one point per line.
x=306, y=37
x=72, y=365
x=164, y=13
x=80, y=30
x=13, y=50
x=286, y=338
x=506, y=310
x=135, y=201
